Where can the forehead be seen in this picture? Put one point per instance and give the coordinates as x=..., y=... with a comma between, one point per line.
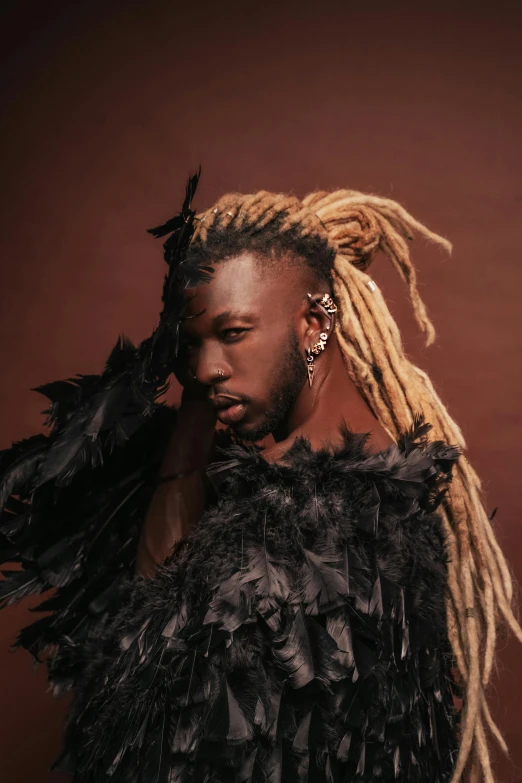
x=243, y=284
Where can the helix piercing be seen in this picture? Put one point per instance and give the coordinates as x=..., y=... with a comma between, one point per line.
x=326, y=303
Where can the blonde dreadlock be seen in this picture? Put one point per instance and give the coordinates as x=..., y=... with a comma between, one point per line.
x=354, y=226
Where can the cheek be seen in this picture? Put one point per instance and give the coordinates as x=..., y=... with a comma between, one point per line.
x=253, y=364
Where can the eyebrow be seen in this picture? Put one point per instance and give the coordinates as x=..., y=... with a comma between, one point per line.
x=222, y=317
x=229, y=314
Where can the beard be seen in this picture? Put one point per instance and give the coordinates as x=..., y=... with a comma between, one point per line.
x=288, y=379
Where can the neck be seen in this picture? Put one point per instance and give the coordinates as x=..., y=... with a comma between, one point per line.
x=332, y=399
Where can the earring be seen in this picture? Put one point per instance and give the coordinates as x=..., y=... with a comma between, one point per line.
x=328, y=305
x=310, y=366
x=315, y=350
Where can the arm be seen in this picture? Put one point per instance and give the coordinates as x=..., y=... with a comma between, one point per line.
x=178, y=504
x=74, y=501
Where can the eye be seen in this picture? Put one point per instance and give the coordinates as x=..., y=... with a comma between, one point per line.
x=233, y=335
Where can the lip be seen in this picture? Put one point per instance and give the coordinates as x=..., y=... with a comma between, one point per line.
x=224, y=401
x=231, y=414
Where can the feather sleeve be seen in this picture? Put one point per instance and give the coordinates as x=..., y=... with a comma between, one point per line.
x=73, y=501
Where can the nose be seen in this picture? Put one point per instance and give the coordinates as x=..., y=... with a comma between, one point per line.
x=212, y=367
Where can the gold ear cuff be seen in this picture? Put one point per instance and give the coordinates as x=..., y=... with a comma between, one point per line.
x=328, y=303
x=320, y=345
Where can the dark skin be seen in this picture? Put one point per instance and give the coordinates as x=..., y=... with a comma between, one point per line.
x=254, y=324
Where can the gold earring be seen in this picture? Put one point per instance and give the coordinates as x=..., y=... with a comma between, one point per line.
x=310, y=366
x=329, y=304
x=315, y=350
x=320, y=345
x=326, y=303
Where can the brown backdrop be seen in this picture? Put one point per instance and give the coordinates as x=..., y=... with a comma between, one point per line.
x=108, y=106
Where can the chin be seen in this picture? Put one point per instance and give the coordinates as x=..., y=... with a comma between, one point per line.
x=243, y=433
x=251, y=432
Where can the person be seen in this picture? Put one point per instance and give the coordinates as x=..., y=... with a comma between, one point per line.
x=292, y=574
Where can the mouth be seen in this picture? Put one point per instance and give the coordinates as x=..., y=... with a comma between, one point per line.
x=229, y=410
x=232, y=413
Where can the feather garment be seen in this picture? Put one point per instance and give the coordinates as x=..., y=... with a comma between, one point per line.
x=297, y=633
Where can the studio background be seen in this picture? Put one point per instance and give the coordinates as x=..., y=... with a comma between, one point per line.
x=108, y=106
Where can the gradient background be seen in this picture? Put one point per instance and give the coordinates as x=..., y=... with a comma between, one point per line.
x=107, y=107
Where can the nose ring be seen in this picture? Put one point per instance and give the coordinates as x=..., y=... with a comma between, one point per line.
x=220, y=373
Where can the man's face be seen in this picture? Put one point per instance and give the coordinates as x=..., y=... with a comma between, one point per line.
x=247, y=324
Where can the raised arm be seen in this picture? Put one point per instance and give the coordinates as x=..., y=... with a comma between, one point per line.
x=177, y=503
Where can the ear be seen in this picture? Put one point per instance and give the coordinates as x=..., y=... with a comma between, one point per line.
x=320, y=316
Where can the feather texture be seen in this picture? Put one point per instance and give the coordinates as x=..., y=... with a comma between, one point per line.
x=283, y=643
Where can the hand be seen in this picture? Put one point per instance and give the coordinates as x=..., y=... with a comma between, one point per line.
x=192, y=389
